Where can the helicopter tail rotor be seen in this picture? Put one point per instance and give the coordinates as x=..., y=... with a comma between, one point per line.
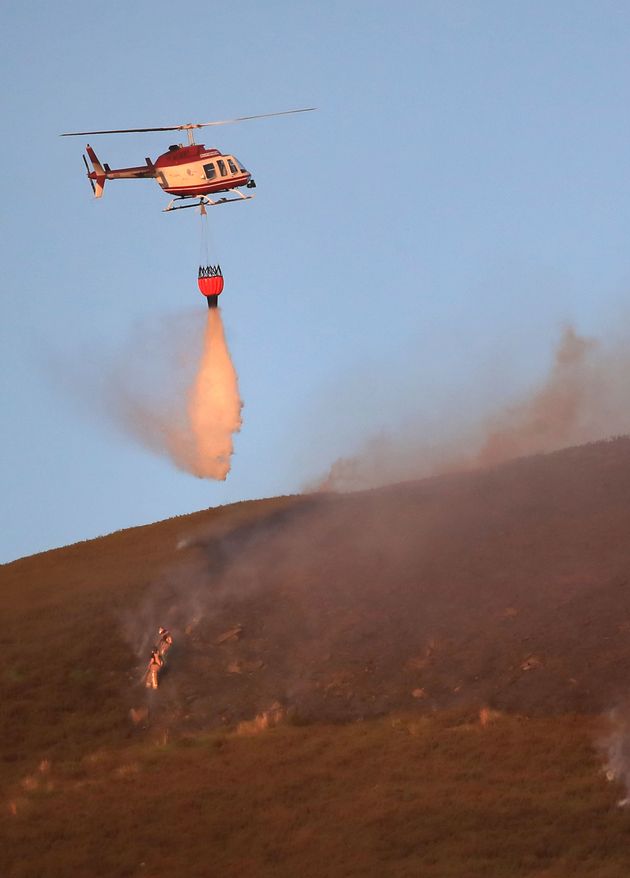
x=87, y=168
x=98, y=176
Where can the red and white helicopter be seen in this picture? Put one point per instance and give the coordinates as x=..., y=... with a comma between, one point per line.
x=184, y=172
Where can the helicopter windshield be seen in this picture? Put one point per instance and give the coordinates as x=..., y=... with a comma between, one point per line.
x=241, y=166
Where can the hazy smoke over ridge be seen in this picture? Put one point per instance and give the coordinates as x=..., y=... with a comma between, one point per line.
x=190, y=412
x=585, y=397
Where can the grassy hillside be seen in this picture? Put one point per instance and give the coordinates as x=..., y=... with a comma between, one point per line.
x=68, y=670
x=507, y=587
x=380, y=623
x=403, y=796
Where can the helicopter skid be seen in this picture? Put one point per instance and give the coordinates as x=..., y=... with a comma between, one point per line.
x=204, y=201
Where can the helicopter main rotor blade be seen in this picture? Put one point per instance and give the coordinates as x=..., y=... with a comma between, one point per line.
x=260, y=116
x=189, y=125
x=123, y=131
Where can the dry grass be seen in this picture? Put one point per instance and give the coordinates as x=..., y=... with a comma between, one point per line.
x=66, y=671
x=506, y=588
x=438, y=796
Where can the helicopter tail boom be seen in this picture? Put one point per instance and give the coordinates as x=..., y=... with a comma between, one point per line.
x=101, y=172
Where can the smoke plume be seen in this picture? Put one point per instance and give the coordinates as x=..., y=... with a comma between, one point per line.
x=184, y=409
x=615, y=747
x=585, y=397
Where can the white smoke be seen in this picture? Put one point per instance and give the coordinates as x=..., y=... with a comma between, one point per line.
x=615, y=746
x=585, y=397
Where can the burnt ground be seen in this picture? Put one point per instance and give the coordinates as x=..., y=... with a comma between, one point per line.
x=508, y=587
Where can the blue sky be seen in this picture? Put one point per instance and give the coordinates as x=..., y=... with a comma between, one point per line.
x=461, y=193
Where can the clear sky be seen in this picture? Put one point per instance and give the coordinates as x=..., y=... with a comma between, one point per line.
x=462, y=191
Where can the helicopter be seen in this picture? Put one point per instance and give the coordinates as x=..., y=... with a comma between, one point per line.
x=185, y=171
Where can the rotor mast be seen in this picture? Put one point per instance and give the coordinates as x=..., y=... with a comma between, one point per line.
x=190, y=132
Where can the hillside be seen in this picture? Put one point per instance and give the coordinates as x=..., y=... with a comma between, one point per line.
x=435, y=796
x=362, y=634
x=506, y=587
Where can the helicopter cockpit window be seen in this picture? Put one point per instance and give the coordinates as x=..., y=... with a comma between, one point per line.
x=241, y=166
x=222, y=167
x=233, y=167
x=210, y=170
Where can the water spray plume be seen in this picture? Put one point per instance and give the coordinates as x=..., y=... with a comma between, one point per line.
x=214, y=405
x=179, y=399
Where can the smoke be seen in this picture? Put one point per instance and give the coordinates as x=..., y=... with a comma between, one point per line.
x=585, y=397
x=615, y=747
x=558, y=413
x=191, y=418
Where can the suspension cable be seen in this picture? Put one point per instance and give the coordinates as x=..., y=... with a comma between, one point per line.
x=204, y=258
